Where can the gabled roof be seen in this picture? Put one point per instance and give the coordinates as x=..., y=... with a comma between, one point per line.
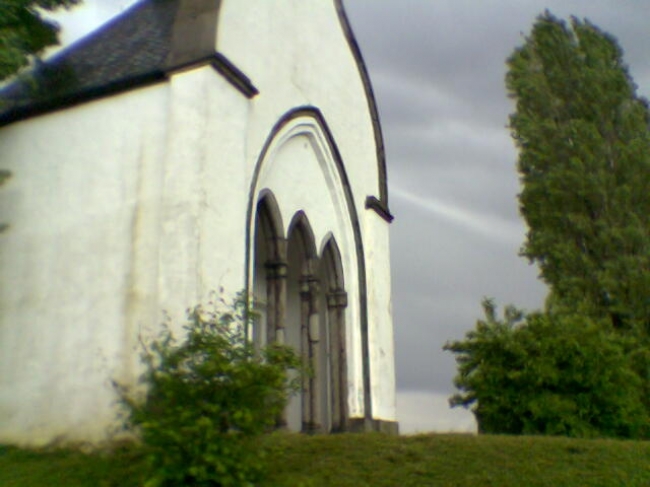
x=144, y=45
x=139, y=46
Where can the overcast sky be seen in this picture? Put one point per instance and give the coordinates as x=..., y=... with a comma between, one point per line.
x=437, y=68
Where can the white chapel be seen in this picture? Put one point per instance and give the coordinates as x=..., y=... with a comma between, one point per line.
x=184, y=147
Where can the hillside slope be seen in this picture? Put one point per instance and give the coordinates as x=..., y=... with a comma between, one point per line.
x=356, y=460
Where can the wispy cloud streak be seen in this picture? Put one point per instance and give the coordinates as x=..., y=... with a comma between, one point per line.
x=489, y=226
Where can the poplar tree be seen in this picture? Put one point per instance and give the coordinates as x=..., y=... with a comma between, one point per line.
x=24, y=32
x=584, y=161
x=580, y=367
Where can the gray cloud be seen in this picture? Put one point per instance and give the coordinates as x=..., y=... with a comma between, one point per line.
x=438, y=287
x=438, y=70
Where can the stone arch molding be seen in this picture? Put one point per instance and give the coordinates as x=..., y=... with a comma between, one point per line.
x=306, y=271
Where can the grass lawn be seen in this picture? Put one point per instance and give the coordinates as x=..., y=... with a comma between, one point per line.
x=70, y=468
x=373, y=460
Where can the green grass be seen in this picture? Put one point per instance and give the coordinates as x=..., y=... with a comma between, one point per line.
x=372, y=460
x=71, y=468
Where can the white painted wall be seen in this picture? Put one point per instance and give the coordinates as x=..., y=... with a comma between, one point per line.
x=112, y=221
x=296, y=54
x=380, y=323
x=67, y=259
x=136, y=203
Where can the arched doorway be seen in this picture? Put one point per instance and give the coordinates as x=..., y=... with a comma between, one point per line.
x=300, y=300
x=305, y=412
x=270, y=271
x=335, y=300
x=316, y=302
x=308, y=300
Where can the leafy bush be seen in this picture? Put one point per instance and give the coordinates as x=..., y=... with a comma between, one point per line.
x=547, y=373
x=208, y=399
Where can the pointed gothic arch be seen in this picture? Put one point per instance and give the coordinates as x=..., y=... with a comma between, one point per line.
x=346, y=404
x=302, y=323
x=315, y=326
x=335, y=299
x=269, y=282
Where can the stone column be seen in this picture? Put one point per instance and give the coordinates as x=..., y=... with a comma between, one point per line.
x=316, y=381
x=276, y=291
x=337, y=301
x=305, y=396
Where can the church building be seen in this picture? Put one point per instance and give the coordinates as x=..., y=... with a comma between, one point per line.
x=189, y=146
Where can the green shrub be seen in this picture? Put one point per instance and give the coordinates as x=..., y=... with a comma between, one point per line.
x=547, y=373
x=208, y=399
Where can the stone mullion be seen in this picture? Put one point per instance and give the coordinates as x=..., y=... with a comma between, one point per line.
x=305, y=298
x=281, y=305
x=276, y=290
x=336, y=304
x=271, y=303
x=315, y=358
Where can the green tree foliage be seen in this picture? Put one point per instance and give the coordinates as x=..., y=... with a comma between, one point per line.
x=208, y=399
x=24, y=32
x=582, y=366
x=584, y=161
x=546, y=373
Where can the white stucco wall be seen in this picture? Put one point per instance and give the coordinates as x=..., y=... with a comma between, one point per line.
x=380, y=323
x=67, y=259
x=296, y=54
x=112, y=221
x=126, y=206
x=205, y=187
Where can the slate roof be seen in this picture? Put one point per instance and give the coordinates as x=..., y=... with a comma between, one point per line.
x=130, y=50
x=143, y=45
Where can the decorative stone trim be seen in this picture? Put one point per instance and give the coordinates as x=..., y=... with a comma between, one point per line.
x=234, y=75
x=309, y=120
x=337, y=299
x=372, y=104
x=372, y=203
x=364, y=425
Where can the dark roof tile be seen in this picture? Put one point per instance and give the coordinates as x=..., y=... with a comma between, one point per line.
x=129, y=50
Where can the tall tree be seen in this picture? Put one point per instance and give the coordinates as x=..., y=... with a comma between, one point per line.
x=24, y=32
x=584, y=161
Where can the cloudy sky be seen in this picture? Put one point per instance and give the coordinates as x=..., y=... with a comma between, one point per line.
x=437, y=67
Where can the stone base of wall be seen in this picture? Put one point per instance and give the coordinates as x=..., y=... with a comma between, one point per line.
x=364, y=425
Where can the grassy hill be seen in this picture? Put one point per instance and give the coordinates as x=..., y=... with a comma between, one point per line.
x=373, y=460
